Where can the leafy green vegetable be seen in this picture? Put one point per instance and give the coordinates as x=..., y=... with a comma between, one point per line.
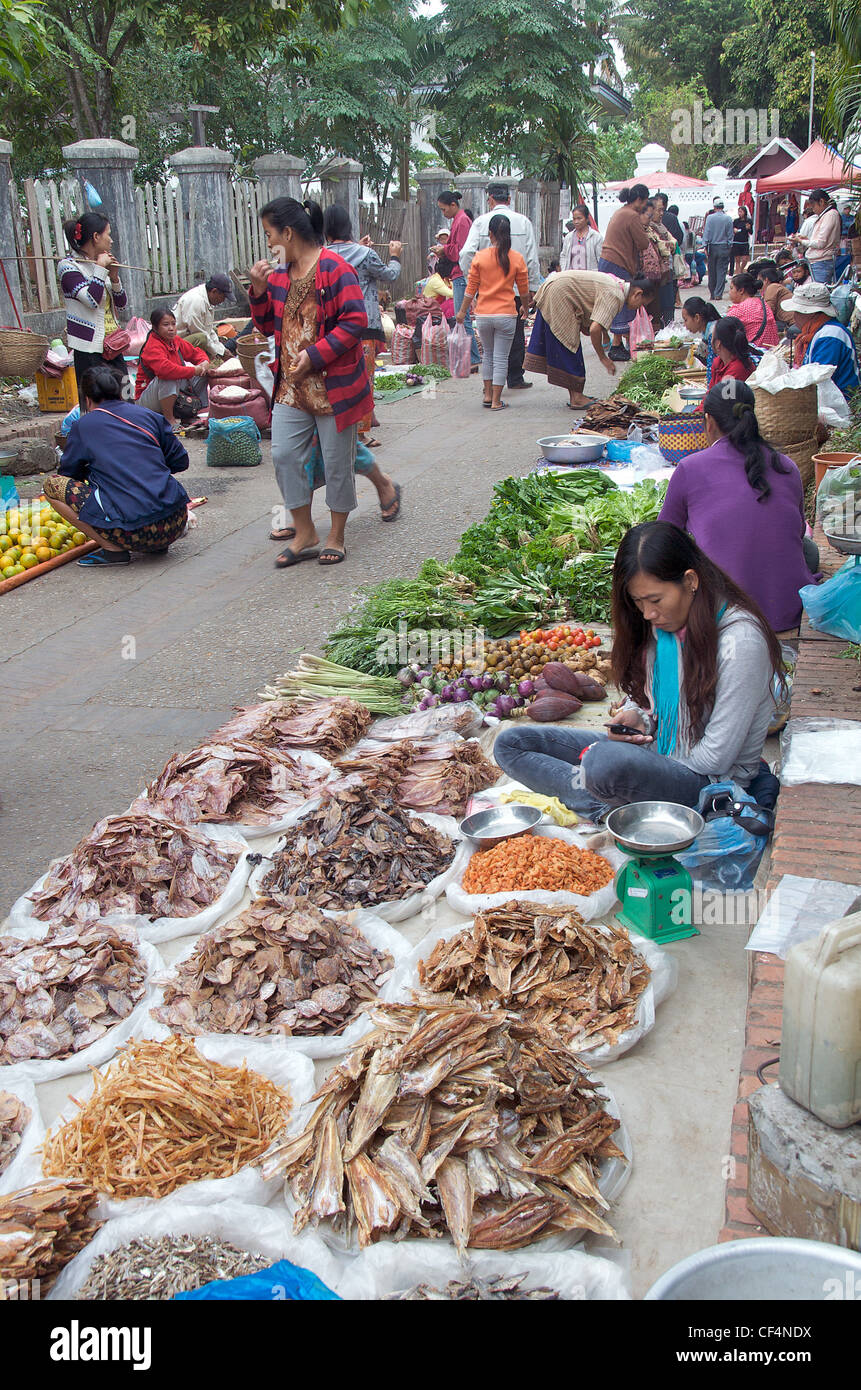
x=646, y=380
x=434, y=599
x=513, y=597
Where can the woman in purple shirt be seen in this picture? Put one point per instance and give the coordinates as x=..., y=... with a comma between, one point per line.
x=743, y=503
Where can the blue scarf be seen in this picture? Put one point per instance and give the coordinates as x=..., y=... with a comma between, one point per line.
x=666, y=693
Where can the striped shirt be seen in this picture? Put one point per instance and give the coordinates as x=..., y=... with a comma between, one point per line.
x=834, y=344
x=341, y=319
x=87, y=294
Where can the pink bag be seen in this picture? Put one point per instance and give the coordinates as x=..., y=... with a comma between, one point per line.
x=403, y=353
x=137, y=330
x=255, y=405
x=434, y=348
x=459, y=351
x=641, y=331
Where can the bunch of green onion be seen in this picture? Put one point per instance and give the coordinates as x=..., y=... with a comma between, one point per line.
x=315, y=678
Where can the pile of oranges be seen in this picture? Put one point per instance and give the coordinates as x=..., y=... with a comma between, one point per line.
x=32, y=533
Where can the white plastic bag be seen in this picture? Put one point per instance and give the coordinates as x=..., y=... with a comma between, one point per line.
x=375, y=931
x=774, y=374
x=647, y=459
x=798, y=909
x=26, y=1164
x=416, y=723
x=260, y=1230
x=286, y=1067
x=396, y=1267
x=40, y=1069
x=599, y=904
x=161, y=928
x=832, y=405
x=821, y=750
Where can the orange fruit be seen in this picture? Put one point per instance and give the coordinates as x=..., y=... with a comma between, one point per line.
x=43, y=553
x=29, y=561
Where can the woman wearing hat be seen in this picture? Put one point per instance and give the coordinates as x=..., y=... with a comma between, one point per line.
x=821, y=338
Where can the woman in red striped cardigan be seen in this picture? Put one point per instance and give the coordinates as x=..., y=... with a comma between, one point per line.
x=314, y=306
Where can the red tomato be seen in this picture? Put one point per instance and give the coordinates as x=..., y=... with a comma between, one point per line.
x=596, y=642
x=579, y=639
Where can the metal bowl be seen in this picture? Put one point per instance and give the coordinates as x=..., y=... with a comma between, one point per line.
x=487, y=828
x=764, y=1269
x=588, y=450
x=847, y=545
x=654, y=827
x=693, y=393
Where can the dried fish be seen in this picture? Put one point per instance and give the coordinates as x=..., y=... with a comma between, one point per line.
x=159, y=1268
x=476, y=1290
x=14, y=1119
x=162, y=1115
x=42, y=1227
x=329, y=726
x=357, y=850
x=463, y=719
x=136, y=864
x=236, y=781
x=502, y=1147
x=276, y=968
x=438, y=775
x=59, y=993
x=583, y=982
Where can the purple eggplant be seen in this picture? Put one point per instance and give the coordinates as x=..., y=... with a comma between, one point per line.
x=526, y=687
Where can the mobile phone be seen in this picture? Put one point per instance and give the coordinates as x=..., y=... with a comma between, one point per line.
x=624, y=730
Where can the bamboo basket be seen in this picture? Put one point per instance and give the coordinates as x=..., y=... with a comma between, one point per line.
x=670, y=354
x=787, y=416
x=21, y=352
x=248, y=348
x=802, y=456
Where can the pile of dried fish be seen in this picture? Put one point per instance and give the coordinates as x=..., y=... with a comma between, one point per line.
x=136, y=864
x=159, y=1268
x=462, y=719
x=583, y=982
x=357, y=850
x=438, y=775
x=14, y=1119
x=42, y=1227
x=63, y=992
x=616, y=416
x=475, y=1290
x=163, y=1115
x=277, y=968
x=449, y=1118
x=329, y=726
x=238, y=781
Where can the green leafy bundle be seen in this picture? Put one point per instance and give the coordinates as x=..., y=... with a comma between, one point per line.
x=434, y=599
x=646, y=380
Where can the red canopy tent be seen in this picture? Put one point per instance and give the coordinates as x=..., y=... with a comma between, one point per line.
x=818, y=167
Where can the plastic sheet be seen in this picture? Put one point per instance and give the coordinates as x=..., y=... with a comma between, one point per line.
x=821, y=750
x=26, y=1164
x=597, y=905
x=773, y=374
x=837, y=498
x=425, y=723
x=798, y=909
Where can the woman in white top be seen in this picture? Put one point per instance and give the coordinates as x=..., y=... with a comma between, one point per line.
x=90, y=282
x=582, y=245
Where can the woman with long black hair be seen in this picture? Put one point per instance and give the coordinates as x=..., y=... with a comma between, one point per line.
x=696, y=659
x=743, y=502
x=493, y=274
x=90, y=282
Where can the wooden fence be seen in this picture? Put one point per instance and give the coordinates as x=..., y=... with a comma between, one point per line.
x=39, y=211
x=397, y=221
x=162, y=231
x=248, y=237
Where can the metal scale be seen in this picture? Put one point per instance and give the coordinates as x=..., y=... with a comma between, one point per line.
x=654, y=889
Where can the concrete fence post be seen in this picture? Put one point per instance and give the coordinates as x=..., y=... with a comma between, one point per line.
x=431, y=183
x=109, y=166
x=204, y=176
x=279, y=175
x=8, y=246
x=531, y=190
x=474, y=190
x=340, y=183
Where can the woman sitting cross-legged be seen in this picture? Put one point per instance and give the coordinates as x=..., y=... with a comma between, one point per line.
x=167, y=363
x=696, y=659
x=115, y=480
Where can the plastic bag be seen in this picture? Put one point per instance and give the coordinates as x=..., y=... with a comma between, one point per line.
x=821, y=750
x=233, y=443
x=292, y=1070
x=798, y=909
x=281, y=1281
x=8, y=495
x=459, y=351
x=725, y=856
x=836, y=499
x=263, y=1231
x=835, y=606
x=263, y=363
x=773, y=373
x=647, y=459
x=228, y=402
x=596, y=905
x=641, y=331
x=832, y=406
x=843, y=300
x=396, y=1267
x=26, y=1164
x=403, y=352
x=423, y=723
x=137, y=329
x=434, y=348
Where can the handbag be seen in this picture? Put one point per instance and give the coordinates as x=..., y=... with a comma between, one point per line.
x=115, y=344
x=680, y=265
x=651, y=262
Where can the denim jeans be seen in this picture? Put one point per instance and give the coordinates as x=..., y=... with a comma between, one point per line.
x=458, y=286
x=547, y=760
x=822, y=271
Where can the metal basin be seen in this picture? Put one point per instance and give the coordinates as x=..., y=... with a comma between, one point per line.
x=654, y=827
x=573, y=447
x=487, y=828
x=693, y=393
x=769, y=1268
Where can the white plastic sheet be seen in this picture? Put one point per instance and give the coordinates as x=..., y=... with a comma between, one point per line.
x=598, y=904
x=26, y=1164
x=161, y=928
x=260, y=1230
x=773, y=374
x=798, y=909
x=821, y=750
x=39, y=1069
x=375, y=931
x=394, y=1268
x=285, y=1066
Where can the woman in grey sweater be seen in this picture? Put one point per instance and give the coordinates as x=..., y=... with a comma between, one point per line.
x=697, y=661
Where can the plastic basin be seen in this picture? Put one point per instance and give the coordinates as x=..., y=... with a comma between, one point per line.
x=770, y=1267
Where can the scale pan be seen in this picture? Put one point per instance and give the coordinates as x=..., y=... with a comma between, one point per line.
x=654, y=827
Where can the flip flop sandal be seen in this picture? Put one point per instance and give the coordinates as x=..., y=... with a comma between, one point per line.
x=331, y=556
x=590, y=400
x=289, y=557
x=106, y=558
x=397, y=506
x=502, y=406
x=371, y=443
x=286, y=535
x=487, y=404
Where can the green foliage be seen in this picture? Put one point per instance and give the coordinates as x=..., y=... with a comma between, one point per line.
x=616, y=149
x=22, y=40
x=769, y=62
x=674, y=45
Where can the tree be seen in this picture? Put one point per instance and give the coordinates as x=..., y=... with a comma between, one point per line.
x=842, y=117
x=667, y=45
x=617, y=148
x=668, y=117
x=773, y=56
x=22, y=38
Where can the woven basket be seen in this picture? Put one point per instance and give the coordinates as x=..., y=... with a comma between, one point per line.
x=789, y=415
x=680, y=435
x=248, y=348
x=21, y=352
x=802, y=456
x=670, y=354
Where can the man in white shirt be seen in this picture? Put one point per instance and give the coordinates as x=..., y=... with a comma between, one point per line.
x=195, y=320
x=524, y=240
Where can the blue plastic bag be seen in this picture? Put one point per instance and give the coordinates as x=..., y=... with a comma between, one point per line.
x=233, y=443
x=835, y=606
x=725, y=856
x=8, y=494
x=280, y=1282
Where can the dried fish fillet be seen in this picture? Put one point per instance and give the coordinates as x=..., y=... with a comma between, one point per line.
x=159, y=1268
x=476, y=1290
x=42, y=1227
x=438, y=775
x=503, y=1146
x=279, y=968
x=329, y=726
x=236, y=781
x=14, y=1119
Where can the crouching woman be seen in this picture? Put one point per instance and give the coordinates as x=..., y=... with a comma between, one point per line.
x=695, y=658
x=115, y=480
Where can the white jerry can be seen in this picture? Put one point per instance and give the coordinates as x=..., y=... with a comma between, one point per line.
x=820, y=1050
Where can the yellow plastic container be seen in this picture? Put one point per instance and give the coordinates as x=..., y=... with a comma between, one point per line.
x=57, y=393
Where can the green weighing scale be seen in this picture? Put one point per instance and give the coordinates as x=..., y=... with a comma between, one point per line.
x=655, y=891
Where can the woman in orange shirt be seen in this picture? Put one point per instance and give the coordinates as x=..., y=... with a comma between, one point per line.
x=492, y=276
